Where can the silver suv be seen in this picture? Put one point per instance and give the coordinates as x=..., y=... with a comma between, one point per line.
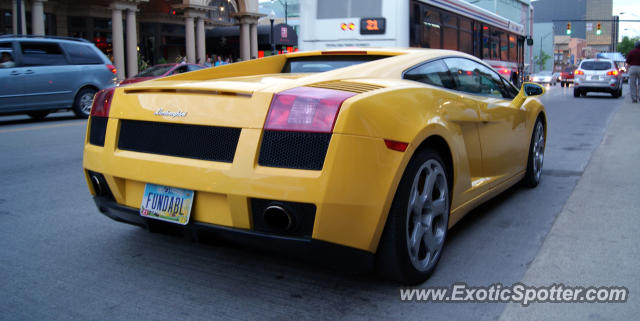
x=39, y=75
x=597, y=75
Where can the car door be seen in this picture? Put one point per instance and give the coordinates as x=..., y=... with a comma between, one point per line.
x=461, y=111
x=502, y=127
x=11, y=88
x=45, y=72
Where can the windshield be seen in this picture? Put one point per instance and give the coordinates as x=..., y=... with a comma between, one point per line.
x=595, y=65
x=155, y=71
x=325, y=62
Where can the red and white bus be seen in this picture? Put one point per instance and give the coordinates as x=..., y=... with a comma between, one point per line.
x=442, y=24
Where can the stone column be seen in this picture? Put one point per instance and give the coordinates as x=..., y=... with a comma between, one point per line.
x=132, y=44
x=37, y=17
x=117, y=40
x=14, y=17
x=245, y=41
x=200, y=41
x=190, y=39
x=254, y=40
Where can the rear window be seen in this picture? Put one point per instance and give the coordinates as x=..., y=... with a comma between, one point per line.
x=595, y=65
x=325, y=63
x=155, y=71
x=82, y=54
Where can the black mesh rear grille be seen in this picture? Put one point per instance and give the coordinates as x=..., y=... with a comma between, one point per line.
x=189, y=141
x=97, y=130
x=294, y=149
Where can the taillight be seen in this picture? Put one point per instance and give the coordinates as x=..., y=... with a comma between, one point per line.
x=102, y=102
x=579, y=72
x=305, y=109
x=112, y=68
x=612, y=73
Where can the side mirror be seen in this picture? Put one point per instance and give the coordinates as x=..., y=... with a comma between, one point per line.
x=532, y=89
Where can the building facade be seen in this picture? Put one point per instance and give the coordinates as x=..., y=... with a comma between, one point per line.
x=132, y=30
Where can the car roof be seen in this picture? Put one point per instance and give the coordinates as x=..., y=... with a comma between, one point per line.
x=34, y=38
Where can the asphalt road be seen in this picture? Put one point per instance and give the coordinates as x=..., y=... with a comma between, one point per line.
x=61, y=259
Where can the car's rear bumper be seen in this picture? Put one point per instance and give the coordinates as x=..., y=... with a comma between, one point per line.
x=352, y=193
x=317, y=251
x=602, y=86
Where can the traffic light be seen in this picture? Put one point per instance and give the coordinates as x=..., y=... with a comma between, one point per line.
x=569, y=28
x=598, y=30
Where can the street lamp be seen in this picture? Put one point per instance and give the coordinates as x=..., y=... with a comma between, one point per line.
x=285, y=5
x=541, y=38
x=272, y=16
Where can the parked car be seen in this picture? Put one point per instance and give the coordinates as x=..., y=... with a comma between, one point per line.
x=597, y=75
x=360, y=154
x=51, y=73
x=162, y=70
x=566, y=76
x=544, y=77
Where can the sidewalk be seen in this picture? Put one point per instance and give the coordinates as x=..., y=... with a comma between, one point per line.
x=595, y=241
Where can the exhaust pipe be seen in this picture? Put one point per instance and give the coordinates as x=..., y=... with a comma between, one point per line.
x=97, y=184
x=277, y=218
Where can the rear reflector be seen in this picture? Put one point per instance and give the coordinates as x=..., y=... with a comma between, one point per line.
x=306, y=109
x=399, y=146
x=102, y=102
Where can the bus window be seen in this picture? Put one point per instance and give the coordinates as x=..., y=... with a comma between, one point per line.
x=466, y=36
x=431, y=28
x=504, y=47
x=513, y=49
x=332, y=9
x=486, y=43
x=495, y=43
x=450, y=31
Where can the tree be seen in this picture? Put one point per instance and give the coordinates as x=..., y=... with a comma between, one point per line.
x=627, y=44
x=541, y=60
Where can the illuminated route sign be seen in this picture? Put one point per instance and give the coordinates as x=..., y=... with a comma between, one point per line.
x=372, y=26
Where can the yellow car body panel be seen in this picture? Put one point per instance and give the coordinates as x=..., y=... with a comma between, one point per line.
x=488, y=140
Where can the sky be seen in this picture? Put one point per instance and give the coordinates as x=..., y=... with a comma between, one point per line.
x=631, y=9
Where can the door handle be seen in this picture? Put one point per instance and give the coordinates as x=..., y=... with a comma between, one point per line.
x=14, y=73
x=28, y=71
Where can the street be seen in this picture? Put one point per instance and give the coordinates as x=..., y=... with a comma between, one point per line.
x=61, y=259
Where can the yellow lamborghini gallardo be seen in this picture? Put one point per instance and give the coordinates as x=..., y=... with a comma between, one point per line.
x=370, y=152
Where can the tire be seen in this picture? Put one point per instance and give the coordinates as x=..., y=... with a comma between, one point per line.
x=535, y=159
x=83, y=101
x=412, y=242
x=563, y=84
x=38, y=115
x=576, y=92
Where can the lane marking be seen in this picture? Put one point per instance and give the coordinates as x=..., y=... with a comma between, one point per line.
x=13, y=130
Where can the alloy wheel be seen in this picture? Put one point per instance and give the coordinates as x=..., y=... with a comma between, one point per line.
x=427, y=215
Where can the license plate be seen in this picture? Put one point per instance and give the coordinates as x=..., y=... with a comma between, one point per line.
x=595, y=77
x=166, y=203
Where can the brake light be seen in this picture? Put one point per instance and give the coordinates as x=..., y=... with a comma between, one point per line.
x=112, y=68
x=305, y=109
x=612, y=73
x=395, y=145
x=102, y=102
x=579, y=72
